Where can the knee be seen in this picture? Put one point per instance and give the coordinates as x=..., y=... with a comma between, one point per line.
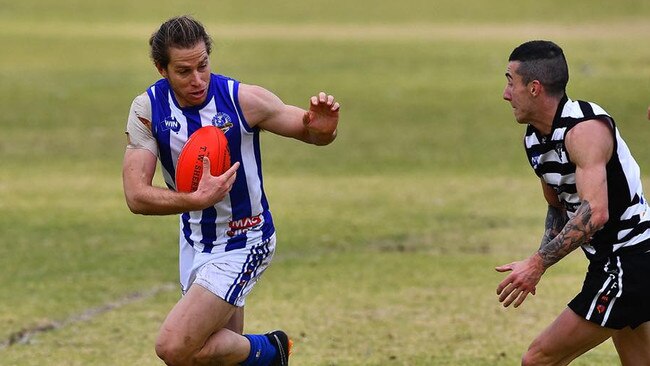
x=171, y=351
x=527, y=359
x=535, y=357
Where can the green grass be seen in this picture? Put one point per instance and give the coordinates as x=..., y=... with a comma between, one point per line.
x=387, y=238
x=334, y=11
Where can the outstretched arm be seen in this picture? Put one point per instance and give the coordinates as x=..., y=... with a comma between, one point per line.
x=590, y=145
x=315, y=126
x=527, y=273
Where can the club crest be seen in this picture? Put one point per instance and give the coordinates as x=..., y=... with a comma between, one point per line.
x=222, y=120
x=534, y=161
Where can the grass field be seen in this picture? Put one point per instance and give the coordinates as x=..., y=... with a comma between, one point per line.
x=387, y=238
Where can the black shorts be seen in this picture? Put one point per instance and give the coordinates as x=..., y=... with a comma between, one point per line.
x=616, y=291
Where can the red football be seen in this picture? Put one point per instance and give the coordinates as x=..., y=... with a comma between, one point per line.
x=206, y=141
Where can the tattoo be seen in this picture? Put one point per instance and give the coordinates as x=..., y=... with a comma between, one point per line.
x=556, y=218
x=577, y=231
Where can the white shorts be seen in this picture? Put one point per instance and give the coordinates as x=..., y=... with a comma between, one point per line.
x=229, y=275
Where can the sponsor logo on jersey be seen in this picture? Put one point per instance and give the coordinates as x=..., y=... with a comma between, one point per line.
x=241, y=226
x=170, y=123
x=222, y=120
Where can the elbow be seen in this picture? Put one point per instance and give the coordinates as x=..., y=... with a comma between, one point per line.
x=599, y=218
x=593, y=215
x=134, y=205
x=137, y=210
x=134, y=208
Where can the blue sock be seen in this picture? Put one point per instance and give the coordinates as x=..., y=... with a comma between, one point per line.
x=262, y=351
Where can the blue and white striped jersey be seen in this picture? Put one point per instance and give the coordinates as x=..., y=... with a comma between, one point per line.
x=244, y=214
x=628, y=228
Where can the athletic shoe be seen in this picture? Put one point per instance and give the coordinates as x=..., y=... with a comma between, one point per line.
x=282, y=344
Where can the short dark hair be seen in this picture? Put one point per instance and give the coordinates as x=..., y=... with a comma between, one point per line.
x=543, y=61
x=181, y=32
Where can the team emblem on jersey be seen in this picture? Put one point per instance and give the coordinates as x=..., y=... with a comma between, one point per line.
x=534, y=161
x=170, y=123
x=222, y=120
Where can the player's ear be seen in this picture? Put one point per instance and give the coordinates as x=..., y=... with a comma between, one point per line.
x=161, y=70
x=535, y=87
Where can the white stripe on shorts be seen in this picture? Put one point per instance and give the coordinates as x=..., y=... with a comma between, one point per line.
x=605, y=286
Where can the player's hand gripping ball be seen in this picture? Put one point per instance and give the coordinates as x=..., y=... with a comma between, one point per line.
x=207, y=141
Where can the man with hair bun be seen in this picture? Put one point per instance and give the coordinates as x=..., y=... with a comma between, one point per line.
x=227, y=237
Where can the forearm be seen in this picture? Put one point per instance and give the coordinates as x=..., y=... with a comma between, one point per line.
x=556, y=219
x=141, y=195
x=151, y=200
x=577, y=231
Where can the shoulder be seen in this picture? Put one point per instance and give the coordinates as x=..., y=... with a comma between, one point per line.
x=141, y=107
x=253, y=92
x=595, y=128
x=257, y=103
x=141, y=101
x=589, y=139
x=586, y=120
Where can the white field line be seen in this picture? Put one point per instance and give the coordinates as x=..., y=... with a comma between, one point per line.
x=342, y=32
x=24, y=336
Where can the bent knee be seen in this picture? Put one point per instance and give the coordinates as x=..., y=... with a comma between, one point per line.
x=172, y=352
x=528, y=359
x=537, y=357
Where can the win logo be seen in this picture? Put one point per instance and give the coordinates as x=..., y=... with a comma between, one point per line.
x=170, y=123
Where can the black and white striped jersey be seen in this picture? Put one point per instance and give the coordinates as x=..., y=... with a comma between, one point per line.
x=628, y=228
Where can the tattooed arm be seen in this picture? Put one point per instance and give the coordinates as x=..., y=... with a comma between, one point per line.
x=576, y=232
x=556, y=216
x=590, y=145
